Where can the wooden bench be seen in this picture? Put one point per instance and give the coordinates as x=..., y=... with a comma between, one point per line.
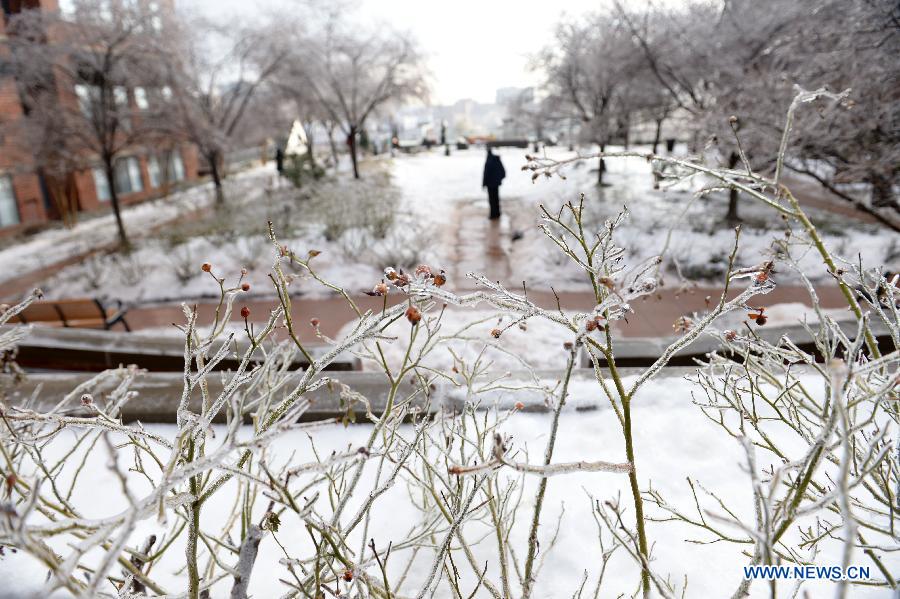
x=75, y=313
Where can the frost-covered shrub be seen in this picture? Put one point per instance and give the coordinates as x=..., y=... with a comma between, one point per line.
x=130, y=267
x=300, y=170
x=184, y=262
x=405, y=246
x=200, y=510
x=250, y=250
x=371, y=203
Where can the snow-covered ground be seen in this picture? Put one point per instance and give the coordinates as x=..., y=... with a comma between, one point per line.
x=49, y=247
x=673, y=441
x=465, y=335
x=439, y=203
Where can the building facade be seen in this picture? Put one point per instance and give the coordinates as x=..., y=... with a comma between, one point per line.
x=29, y=194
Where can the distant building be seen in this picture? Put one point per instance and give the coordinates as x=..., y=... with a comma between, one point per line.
x=27, y=195
x=507, y=95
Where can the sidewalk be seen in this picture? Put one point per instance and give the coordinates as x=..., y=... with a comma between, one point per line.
x=654, y=315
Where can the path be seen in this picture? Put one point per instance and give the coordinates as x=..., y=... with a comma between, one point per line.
x=654, y=315
x=479, y=244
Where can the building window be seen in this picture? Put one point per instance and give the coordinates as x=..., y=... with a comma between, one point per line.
x=87, y=95
x=120, y=95
x=154, y=171
x=176, y=166
x=166, y=168
x=128, y=176
x=140, y=98
x=9, y=209
x=101, y=184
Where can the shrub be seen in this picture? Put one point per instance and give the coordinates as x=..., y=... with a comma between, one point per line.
x=817, y=427
x=301, y=169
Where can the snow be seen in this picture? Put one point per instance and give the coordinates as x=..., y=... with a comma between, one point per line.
x=440, y=204
x=534, y=344
x=673, y=441
x=93, y=233
x=538, y=343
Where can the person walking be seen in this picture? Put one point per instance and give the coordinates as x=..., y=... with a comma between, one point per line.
x=494, y=173
x=279, y=161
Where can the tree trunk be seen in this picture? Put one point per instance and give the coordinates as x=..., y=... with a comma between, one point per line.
x=882, y=192
x=351, y=141
x=213, y=158
x=732, y=216
x=114, y=200
x=657, y=134
x=334, y=150
x=309, y=146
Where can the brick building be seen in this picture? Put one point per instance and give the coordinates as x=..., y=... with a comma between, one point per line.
x=28, y=194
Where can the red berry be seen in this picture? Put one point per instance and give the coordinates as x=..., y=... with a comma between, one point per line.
x=245, y=287
x=245, y=312
x=206, y=267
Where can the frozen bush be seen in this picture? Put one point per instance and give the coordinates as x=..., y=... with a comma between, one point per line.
x=371, y=204
x=197, y=505
x=184, y=262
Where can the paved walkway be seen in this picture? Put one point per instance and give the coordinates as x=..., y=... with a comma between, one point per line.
x=654, y=315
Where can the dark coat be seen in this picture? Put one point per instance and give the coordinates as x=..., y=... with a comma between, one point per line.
x=494, y=172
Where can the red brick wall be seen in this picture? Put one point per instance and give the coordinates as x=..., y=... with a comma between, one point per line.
x=28, y=195
x=15, y=160
x=191, y=159
x=87, y=193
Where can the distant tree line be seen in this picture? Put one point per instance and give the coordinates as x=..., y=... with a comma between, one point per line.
x=101, y=79
x=732, y=68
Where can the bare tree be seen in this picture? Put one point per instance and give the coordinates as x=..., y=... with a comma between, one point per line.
x=78, y=75
x=352, y=72
x=848, y=46
x=744, y=58
x=587, y=68
x=214, y=77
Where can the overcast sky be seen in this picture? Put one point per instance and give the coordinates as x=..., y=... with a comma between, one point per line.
x=473, y=46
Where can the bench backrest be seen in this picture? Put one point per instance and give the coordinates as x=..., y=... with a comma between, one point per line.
x=76, y=312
